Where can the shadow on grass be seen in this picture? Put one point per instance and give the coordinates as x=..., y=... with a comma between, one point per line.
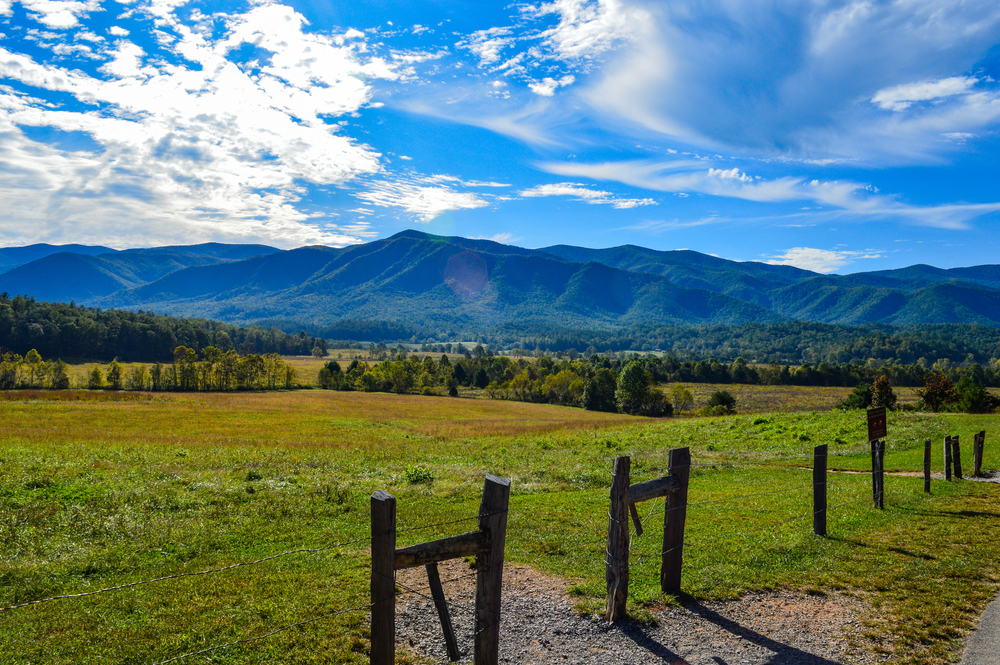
x=888, y=548
x=951, y=513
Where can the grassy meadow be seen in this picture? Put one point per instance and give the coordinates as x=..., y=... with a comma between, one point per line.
x=103, y=489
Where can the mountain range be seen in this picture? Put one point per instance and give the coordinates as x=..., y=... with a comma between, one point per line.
x=460, y=286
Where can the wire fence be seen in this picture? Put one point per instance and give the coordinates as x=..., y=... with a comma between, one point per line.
x=304, y=551
x=711, y=568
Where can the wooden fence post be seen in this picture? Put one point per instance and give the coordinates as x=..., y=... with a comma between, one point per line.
x=819, y=490
x=880, y=448
x=874, y=445
x=947, y=458
x=616, y=556
x=977, y=453
x=956, y=456
x=489, y=570
x=927, y=466
x=675, y=514
x=383, y=581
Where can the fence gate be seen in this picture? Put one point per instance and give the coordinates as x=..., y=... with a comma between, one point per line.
x=624, y=496
x=487, y=544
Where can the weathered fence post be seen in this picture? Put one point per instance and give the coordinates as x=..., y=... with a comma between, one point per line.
x=675, y=514
x=874, y=445
x=927, y=466
x=881, y=474
x=489, y=570
x=819, y=490
x=947, y=458
x=616, y=557
x=878, y=475
x=979, y=442
x=383, y=582
x=956, y=456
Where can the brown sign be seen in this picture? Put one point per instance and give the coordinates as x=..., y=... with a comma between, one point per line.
x=876, y=423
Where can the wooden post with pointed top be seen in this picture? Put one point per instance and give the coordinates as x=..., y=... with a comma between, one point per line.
x=675, y=514
x=383, y=580
x=489, y=570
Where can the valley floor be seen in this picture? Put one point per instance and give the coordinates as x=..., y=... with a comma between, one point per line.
x=118, y=488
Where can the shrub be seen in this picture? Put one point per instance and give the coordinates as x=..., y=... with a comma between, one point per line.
x=722, y=403
x=418, y=474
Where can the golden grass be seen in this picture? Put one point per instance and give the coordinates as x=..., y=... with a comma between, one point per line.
x=302, y=418
x=773, y=399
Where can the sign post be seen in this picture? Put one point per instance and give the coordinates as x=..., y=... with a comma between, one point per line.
x=876, y=439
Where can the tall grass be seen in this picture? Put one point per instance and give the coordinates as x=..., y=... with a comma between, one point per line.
x=95, y=493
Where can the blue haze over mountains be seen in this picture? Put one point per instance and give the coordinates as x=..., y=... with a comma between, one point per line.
x=458, y=286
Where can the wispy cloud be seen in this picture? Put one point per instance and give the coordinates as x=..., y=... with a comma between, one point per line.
x=582, y=193
x=423, y=197
x=902, y=97
x=788, y=80
x=820, y=260
x=847, y=197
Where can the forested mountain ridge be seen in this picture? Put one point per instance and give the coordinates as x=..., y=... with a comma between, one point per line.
x=460, y=286
x=11, y=257
x=451, y=287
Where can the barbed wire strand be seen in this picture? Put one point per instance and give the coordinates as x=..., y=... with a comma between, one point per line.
x=212, y=571
x=197, y=573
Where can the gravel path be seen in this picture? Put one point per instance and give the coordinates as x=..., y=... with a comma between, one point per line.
x=541, y=626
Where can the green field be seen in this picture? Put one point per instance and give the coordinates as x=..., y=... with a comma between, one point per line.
x=110, y=488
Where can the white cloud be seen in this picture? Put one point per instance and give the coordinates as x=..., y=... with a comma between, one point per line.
x=412, y=57
x=588, y=27
x=5, y=7
x=118, y=31
x=794, y=80
x=59, y=14
x=547, y=86
x=202, y=152
x=582, y=193
x=820, y=260
x=488, y=44
x=901, y=97
x=849, y=198
x=127, y=62
x=503, y=238
x=426, y=202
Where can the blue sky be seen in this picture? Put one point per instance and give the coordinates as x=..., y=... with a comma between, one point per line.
x=835, y=136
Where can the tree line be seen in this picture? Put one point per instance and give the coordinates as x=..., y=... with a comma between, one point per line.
x=58, y=330
x=212, y=370
x=632, y=384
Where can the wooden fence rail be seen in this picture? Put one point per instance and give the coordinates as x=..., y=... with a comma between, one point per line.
x=486, y=544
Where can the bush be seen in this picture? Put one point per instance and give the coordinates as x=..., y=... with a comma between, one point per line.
x=657, y=405
x=418, y=474
x=860, y=398
x=722, y=403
